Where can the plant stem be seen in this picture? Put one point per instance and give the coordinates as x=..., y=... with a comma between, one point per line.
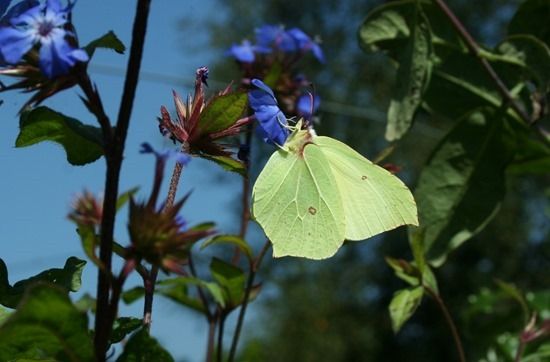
x=149, y=286
x=114, y=148
x=220, y=336
x=245, y=197
x=255, y=265
x=520, y=350
x=475, y=50
x=456, y=337
x=211, y=335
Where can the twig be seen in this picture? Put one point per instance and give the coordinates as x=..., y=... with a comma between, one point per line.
x=456, y=337
x=149, y=286
x=253, y=270
x=113, y=155
x=211, y=336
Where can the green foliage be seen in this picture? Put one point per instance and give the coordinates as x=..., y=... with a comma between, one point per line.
x=532, y=18
x=68, y=278
x=231, y=279
x=107, y=41
x=227, y=163
x=124, y=326
x=222, y=111
x=463, y=183
x=81, y=142
x=46, y=326
x=403, y=305
x=234, y=240
x=143, y=348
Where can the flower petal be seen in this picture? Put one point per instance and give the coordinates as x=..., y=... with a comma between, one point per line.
x=14, y=44
x=243, y=52
x=271, y=119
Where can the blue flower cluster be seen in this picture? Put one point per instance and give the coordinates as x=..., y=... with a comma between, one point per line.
x=28, y=24
x=272, y=38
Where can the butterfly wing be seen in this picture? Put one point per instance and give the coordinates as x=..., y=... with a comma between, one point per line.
x=297, y=203
x=374, y=200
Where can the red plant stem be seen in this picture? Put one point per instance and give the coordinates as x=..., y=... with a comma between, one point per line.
x=255, y=265
x=212, y=323
x=149, y=286
x=456, y=337
x=221, y=324
x=113, y=154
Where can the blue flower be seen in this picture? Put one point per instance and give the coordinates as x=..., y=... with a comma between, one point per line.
x=44, y=25
x=243, y=52
x=180, y=157
x=302, y=42
x=303, y=105
x=272, y=120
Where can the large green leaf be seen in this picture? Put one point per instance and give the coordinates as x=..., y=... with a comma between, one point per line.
x=46, y=326
x=403, y=305
x=69, y=278
x=222, y=112
x=81, y=142
x=107, y=41
x=460, y=188
x=532, y=18
x=413, y=77
x=143, y=348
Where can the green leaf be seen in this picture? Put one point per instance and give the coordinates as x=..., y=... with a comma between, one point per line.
x=81, y=142
x=540, y=302
x=530, y=53
x=513, y=292
x=413, y=76
x=176, y=289
x=460, y=188
x=4, y=314
x=232, y=240
x=143, y=348
x=124, y=326
x=541, y=354
x=403, y=305
x=69, y=278
x=532, y=18
x=429, y=280
x=124, y=197
x=222, y=112
x=46, y=325
x=131, y=295
x=86, y=303
x=231, y=279
x=228, y=163
x=404, y=271
x=273, y=75
x=108, y=41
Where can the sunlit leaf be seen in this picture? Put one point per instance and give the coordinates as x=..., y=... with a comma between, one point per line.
x=81, y=142
x=46, y=325
x=222, y=112
x=412, y=78
x=403, y=305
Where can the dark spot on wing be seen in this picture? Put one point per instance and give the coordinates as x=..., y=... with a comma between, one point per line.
x=312, y=210
x=363, y=177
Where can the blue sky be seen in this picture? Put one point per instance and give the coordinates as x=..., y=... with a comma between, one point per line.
x=38, y=184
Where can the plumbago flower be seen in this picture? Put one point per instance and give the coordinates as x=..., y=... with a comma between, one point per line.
x=304, y=108
x=200, y=124
x=41, y=27
x=273, y=123
x=275, y=39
